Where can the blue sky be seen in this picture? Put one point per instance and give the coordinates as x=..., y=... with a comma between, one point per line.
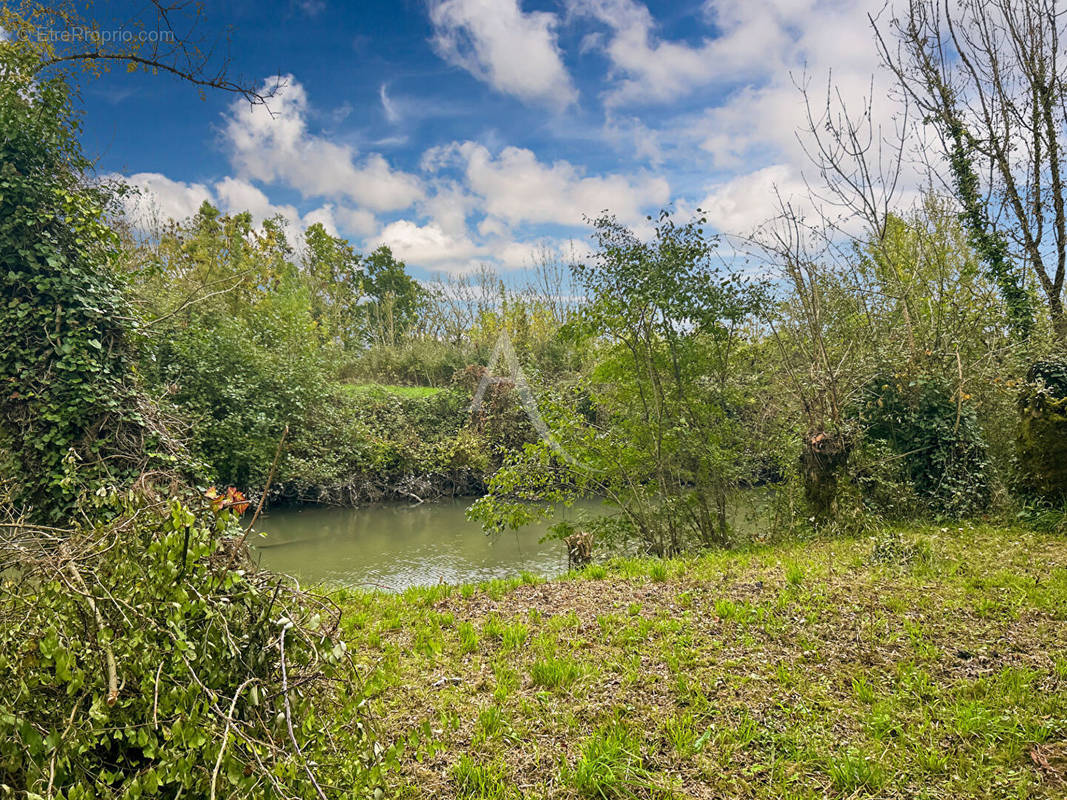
x=468, y=132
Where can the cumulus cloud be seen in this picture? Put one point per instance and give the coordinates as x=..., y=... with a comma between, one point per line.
x=356, y=220
x=754, y=56
x=515, y=187
x=449, y=206
x=158, y=199
x=515, y=52
x=427, y=245
x=518, y=255
x=273, y=145
x=740, y=205
x=748, y=39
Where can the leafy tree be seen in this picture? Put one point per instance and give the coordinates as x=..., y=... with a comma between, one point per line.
x=395, y=298
x=335, y=281
x=668, y=444
x=237, y=348
x=138, y=643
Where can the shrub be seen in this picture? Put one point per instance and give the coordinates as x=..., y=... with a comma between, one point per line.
x=934, y=436
x=240, y=380
x=135, y=658
x=366, y=444
x=1042, y=442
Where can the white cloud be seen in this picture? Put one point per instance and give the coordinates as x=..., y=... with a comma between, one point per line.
x=516, y=53
x=749, y=39
x=753, y=56
x=632, y=134
x=517, y=255
x=388, y=107
x=236, y=196
x=755, y=49
x=356, y=220
x=427, y=245
x=272, y=144
x=516, y=188
x=740, y=205
x=159, y=199
x=322, y=216
x=449, y=206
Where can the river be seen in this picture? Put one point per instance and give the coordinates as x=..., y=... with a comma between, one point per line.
x=397, y=545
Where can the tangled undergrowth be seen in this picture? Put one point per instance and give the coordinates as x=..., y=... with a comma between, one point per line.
x=150, y=657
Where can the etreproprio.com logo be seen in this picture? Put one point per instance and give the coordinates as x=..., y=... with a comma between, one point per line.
x=85, y=34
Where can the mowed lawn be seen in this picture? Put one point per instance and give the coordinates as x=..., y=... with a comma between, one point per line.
x=932, y=663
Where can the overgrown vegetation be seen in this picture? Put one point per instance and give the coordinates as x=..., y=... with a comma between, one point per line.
x=65, y=325
x=142, y=653
x=148, y=657
x=884, y=363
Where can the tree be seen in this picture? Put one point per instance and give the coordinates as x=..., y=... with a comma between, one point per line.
x=242, y=338
x=659, y=427
x=991, y=80
x=395, y=298
x=335, y=279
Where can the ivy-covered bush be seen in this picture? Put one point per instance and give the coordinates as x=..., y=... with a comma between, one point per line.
x=71, y=420
x=932, y=434
x=1042, y=443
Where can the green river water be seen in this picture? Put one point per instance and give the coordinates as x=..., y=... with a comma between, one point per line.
x=396, y=545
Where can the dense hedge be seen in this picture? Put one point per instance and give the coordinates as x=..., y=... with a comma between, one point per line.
x=930, y=439
x=1042, y=439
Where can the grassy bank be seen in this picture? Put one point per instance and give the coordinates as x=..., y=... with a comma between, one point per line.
x=930, y=665
x=383, y=389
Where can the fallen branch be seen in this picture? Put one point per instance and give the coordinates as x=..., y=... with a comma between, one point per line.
x=288, y=715
x=112, y=671
x=226, y=734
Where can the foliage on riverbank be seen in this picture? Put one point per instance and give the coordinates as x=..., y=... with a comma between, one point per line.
x=927, y=663
x=144, y=658
x=369, y=444
x=141, y=652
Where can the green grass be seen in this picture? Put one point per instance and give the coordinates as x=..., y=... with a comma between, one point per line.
x=609, y=765
x=481, y=781
x=819, y=669
x=554, y=673
x=381, y=388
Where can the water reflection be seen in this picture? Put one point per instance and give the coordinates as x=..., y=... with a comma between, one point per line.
x=394, y=546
